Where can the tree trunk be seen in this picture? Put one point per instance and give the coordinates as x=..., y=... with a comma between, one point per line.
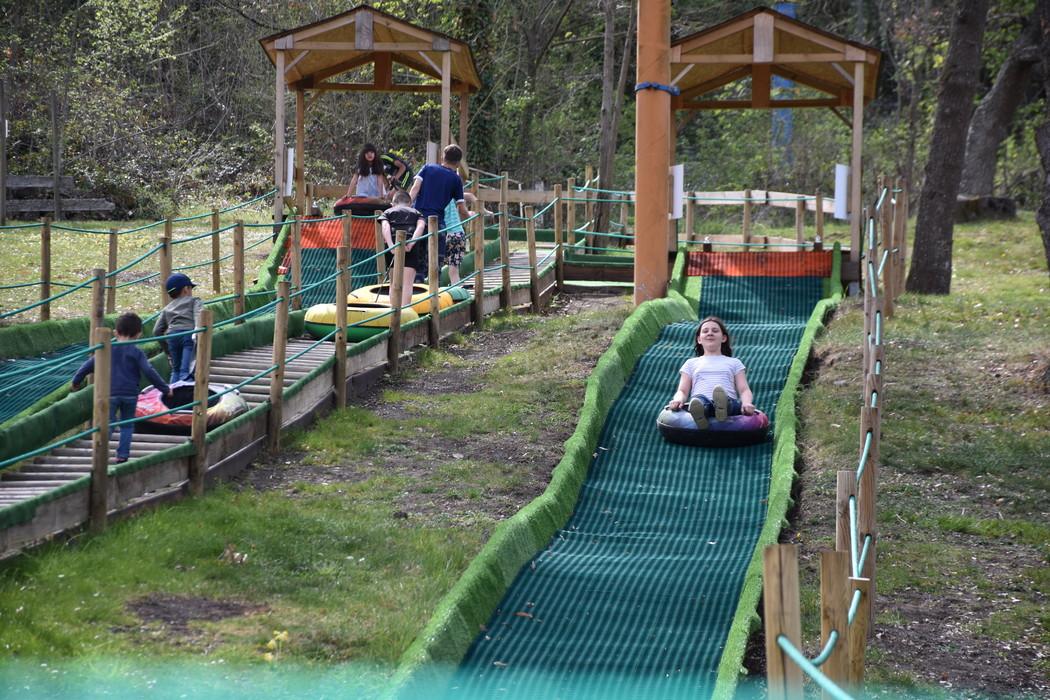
x=931, y=267
x=1042, y=134
x=991, y=121
x=612, y=106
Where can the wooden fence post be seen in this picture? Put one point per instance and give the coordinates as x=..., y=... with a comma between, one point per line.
x=857, y=636
x=342, y=258
x=867, y=485
x=690, y=217
x=588, y=205
x=347, y=221
x=397, y=283
x=504, y=245
x=165, y=263
x=534, y=278
x=216, y=253
x=280, y=349
x=478, y=310
x=45, y=268
x=845, y=489
x=238, y=270
x=834, y=606
x=819, y=220
x=111, y=287
x=380, y=247
x=98, y=301
x=747, y=216
x=559, y=254
x=99, y=498
x=433, y=274
x=570, y=213
x=902, y=228
x=199, y=428
x=297, y=263
x=866, y=280
x=780, y=595
x=800, y=220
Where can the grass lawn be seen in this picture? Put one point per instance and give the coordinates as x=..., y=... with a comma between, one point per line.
x=75, y=254
x=348, y=556
x=964, y=491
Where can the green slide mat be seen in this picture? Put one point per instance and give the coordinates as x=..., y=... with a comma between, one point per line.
x=26, y=380
x=634, y=597
x=319, y=263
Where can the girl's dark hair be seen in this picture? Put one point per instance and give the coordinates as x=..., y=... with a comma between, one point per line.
x=726, y=349
x=129, y=325
x=366, y=168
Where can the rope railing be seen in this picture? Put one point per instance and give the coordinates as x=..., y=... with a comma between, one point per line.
x=857, y=506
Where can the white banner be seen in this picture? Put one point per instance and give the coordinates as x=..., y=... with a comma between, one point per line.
x=841, y=191
x=678, y=190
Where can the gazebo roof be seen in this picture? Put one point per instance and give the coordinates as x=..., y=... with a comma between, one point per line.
x=761, y=43
x=364, y=35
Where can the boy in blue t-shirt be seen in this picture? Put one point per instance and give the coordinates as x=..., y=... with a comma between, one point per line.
x=127, y=365
x=435, y=185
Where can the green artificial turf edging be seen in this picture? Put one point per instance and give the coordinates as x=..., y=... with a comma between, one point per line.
x=458, y=616
x=746, y=619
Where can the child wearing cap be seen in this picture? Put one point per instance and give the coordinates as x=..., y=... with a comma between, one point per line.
x=183, y=313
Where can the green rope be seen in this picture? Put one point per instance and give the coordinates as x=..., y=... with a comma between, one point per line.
x=829, y=647
x=250, y=201
x=46, y=448
x=812, y=671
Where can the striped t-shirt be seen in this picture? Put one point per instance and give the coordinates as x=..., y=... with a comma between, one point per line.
x=709, y=371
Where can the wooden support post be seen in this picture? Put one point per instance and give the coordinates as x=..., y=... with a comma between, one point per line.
x=819, y=220
x=534, y=278
x=559, y=253
x=278, y=137
x=504, y=245
x=45, y=268
x=300, y=148
x=280, y=349
x=690, y=218
x=588, y=206
x=216, y=253
x=478, y=310
x=347, y=227
x=446, y=98
x=845, y=489
x=857, y=637
x=342, y=288
x=98, y=300
x=747, y=216
x=433, y=275
x=111, y=287
x=397, y=283
x=570, y=214
x=199, y=427
x=99, y=499
x=297, y=263
x=856, y=223
x=238, y=270
x=380, y=247
x=782, y=617
x=56, y=154
x=834, y=606
x=800, y=220
x=165, y=263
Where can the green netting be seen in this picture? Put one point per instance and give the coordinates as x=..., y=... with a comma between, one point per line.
x=635, y=594
x=24, y=383
x=319, y=263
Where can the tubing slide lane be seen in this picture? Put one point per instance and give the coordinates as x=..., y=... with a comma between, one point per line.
x=638, y=572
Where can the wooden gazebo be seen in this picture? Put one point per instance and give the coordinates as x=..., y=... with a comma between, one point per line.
x=312, y=57
x=758, y=44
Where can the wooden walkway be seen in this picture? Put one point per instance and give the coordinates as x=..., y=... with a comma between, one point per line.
x=62, y=466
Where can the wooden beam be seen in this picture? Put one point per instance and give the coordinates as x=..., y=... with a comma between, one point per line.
x=761, y=82
x=363, y=38
x=746, y=104
x=793, y=28
x=384, y=71
x=456, y=87
x=856, y=174
x=278, y=138
x=317, y=76
x=763, y=39
x=300, y=147
x=446, y=99
x=301, y=56
x=717, y=82
x=692, y=43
